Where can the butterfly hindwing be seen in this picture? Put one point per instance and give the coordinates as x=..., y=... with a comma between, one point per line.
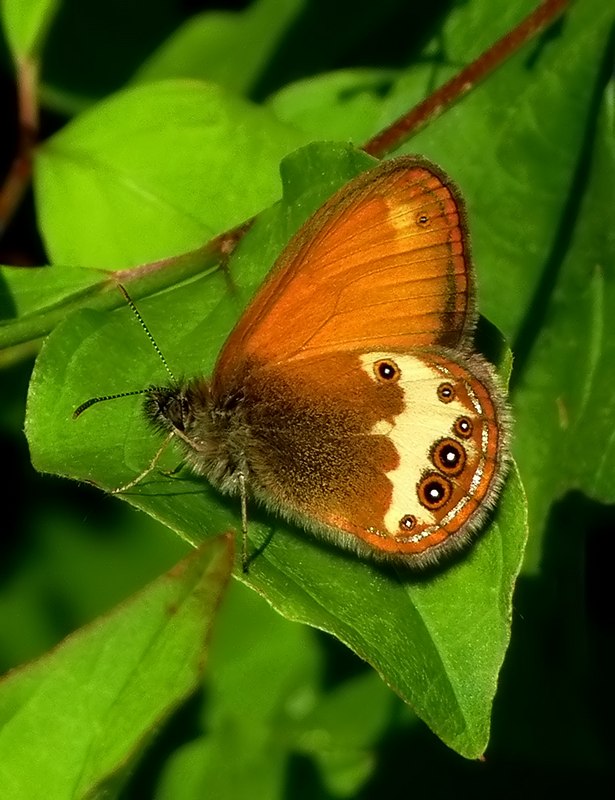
x=396, y=451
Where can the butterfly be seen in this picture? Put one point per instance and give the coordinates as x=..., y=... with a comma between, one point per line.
x=349, y=398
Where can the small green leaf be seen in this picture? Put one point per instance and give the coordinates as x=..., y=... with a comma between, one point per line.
x=156, y=171
x=102, y=693
x=231, y=49
x=26, y=23
x=342, y=730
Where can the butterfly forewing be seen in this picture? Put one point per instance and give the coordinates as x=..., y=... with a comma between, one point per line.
x=385, y=260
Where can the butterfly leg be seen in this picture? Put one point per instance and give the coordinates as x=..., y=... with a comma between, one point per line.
x=147, y=471
x=244, y=522
x=171, y=473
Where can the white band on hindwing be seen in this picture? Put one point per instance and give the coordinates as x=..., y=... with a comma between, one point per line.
x=423, y=422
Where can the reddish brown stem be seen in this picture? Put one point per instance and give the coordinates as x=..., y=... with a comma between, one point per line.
x=390, y=139
x=20, y=171
x=443, y=98
x=215, y=251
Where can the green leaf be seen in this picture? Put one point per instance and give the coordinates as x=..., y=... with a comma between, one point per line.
x=344, y=105
x=342, y=729
x=438, y=643
x=231, y=49
x=26, y=23
x=103, y=692
x=564, y=400
x=514, y=144
x=155, y=171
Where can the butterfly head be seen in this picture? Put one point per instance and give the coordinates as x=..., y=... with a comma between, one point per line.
x=173, y=408
x=188, y=411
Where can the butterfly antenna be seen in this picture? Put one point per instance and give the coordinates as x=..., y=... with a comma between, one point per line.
x=93, y=400
x=153, y=342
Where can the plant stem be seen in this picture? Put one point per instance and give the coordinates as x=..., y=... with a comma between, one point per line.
x=452, y=91
x=20, y=171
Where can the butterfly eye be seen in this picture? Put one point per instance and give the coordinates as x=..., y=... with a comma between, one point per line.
x=446, y=392
x=449, y=457
x=463, y=428
x=386, y=371
x=233, y=400
x=434, y=491
x=422, y=220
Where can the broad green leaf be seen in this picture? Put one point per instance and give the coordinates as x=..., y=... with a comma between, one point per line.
x=231, y=49
x=344, y=105
x=103, y=692
x=438, y=643
x=271, y=715
x=26, y=23
x=514, y=142
x=156, y=171
x=564, y=400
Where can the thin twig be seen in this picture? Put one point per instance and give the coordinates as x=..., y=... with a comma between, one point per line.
x=20, y=171
x=380, y=145
x=452, y=91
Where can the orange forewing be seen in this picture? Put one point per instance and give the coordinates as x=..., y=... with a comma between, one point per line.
x=383, y=263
